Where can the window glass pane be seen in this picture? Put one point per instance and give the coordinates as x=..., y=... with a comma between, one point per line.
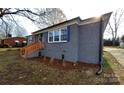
x=56, y=35
x=64, y=34
x=50, y=39
x=50, y=36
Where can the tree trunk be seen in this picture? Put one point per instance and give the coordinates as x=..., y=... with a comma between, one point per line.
x=113, y=42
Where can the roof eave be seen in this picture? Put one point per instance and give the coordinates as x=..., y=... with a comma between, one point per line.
x=76, y=20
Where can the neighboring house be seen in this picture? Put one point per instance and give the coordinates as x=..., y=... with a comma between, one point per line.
x=12, y=41
x=74, y=40
x=29, y=39
x=121, y=43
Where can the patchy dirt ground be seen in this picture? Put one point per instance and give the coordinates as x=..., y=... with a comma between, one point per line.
x=17, y=70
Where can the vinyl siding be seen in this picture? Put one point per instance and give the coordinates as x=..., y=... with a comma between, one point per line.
x=69, y=49
x=89, y=43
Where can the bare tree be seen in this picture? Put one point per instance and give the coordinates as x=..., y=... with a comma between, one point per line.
x=12, y=29
x=115, y=23
x=42, y=17
x=53, y=16
x=6, y=29
x=2, y=35
x=19, y=31
x=8, y=24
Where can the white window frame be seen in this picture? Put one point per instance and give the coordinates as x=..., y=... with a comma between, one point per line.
x=59, y=36
x=48, y=37
x=54, y=35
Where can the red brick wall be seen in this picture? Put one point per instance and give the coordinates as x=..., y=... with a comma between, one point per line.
x=11, y=41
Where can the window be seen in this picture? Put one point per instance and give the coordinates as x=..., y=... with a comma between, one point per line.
x=60, y=35
x=56, y=35
x=64, y=34
x=50, y=35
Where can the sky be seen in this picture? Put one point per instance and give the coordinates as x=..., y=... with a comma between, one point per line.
x=73, y=8
x=73, y=12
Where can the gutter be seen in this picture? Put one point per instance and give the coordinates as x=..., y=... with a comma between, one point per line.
x=100, y=48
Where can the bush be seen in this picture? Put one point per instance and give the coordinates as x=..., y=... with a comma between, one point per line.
x=110, y=43
x=107, y=42
x=1, y=46
x=24, y=44
x=18, y=44
x=122, y=38
x=5, y=46
x=116, y=43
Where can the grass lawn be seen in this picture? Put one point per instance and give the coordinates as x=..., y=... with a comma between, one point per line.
x=116, y=67
x=17, y=70
x=8, y=49
x=118, y=47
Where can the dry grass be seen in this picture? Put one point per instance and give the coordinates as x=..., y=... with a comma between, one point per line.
x=8, y=49
x=16, y=70
x=116, y=67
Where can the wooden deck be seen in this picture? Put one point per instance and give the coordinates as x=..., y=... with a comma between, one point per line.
x=29, y=49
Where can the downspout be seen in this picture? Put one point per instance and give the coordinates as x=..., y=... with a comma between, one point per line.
x=100, y=49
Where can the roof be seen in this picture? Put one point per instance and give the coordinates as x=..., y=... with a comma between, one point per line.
x=76, y=20
x=12, y=38
x=28, y=36
x=67, y=21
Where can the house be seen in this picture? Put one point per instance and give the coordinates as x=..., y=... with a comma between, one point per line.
x=29, y=39
x=121, y=43
x=73, y=40
x=12, y=41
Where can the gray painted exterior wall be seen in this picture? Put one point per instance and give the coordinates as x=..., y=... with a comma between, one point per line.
x=83, y=45
x=69, y=49
x=89, y=43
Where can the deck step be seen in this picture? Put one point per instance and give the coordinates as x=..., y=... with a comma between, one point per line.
x=29, y=49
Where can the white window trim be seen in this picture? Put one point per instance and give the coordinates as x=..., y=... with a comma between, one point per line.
x=54, y=37
x=48, y=37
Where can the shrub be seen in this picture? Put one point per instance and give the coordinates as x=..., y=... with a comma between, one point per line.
x=110, y=42
x=5, y=46
x=24, y=44
x=122, y=38
x=18, y=44
x=1, y=46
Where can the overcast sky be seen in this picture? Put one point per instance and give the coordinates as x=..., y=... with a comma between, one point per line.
x=74, y=8
x=86, y=13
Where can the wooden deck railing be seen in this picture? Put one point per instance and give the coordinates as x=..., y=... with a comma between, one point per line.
x=29, y=49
